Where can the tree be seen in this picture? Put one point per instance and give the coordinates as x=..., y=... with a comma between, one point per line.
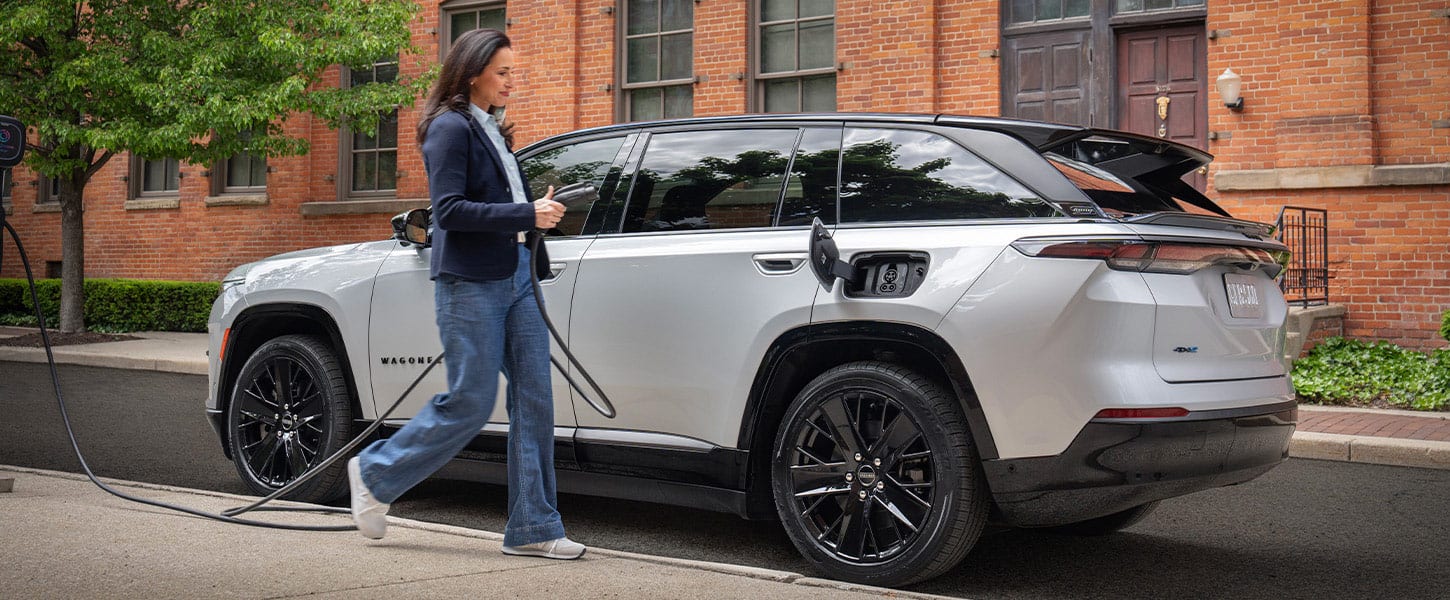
x=194, y=80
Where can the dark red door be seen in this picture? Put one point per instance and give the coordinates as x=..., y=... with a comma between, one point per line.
x=1163, y=86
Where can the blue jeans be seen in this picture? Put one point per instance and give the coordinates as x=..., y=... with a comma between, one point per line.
x=486, y=327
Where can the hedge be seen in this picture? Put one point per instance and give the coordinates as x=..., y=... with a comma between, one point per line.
x=117, y=305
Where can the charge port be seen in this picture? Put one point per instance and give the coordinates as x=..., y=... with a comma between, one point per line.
x=887, y=274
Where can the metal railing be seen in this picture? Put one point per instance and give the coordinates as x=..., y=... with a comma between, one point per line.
x=1306, y=232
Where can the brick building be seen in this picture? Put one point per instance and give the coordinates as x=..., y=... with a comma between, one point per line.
x=1347, y=109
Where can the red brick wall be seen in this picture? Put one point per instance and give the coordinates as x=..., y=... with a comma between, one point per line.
x=1333, y=84
x=1327, y=84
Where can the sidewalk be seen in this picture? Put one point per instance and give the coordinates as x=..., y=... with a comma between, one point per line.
x=1387, y=437
x=66, y=538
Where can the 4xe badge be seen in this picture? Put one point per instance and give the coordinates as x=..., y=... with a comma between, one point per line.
x=12, y=141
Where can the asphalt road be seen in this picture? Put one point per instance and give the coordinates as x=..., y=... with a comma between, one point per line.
x=1308, y=529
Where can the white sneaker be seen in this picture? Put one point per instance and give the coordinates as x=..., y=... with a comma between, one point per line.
x=562, y=549
x=369, y=514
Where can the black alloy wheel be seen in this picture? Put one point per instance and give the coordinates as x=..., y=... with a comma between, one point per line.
x=290, y=409
x=875, y=476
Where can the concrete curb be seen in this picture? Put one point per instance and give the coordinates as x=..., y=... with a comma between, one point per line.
x=1424, y=454
x=723, y=568
x=62, y=356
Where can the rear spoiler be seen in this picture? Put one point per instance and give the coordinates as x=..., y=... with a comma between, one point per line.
x=1261, y=231
x=1153, y=163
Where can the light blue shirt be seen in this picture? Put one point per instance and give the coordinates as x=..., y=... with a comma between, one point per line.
x=510, y=164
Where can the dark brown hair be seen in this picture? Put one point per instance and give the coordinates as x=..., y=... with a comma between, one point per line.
x=469, y=55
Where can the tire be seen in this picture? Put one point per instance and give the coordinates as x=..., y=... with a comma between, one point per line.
x=1107, y=524
x=290, y=409
x=910, y=517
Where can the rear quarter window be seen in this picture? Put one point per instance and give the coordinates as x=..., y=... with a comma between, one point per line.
x=911, y=175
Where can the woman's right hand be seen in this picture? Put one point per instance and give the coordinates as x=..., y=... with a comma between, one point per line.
x=547, y=212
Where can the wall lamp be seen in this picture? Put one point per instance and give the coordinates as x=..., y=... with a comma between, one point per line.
x=1229, y=85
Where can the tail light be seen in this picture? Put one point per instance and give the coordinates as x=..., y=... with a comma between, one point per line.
x=1155, y=257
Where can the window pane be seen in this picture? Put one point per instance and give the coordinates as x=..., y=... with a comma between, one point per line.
x=1022, y=10
x=818, y=44
x=387, y=73
x=1050, y=9
x=900, y=175
x=777, y=47
x=678, y=14
x=777, y=10
x=643, y=60
x=644, y=105
x=1157, y=4
x=586, y=162
x=492, y=19
x=811, y=190
x=388, y=170
x=1076, y=8
x=258, y=175
x=359, y=77
x=239, y=170
x=5, y=182
x=1190, y=2
x=817, y=8
x=677, y=54
x=818, y=94
x=460, y=24
x=644, y=16
x=710, y=180
x=362, y=141
x=154, y=175
x=364, y=172
x=388, y=131
x=782, y=96
x=1130, y=5
x=679, y=101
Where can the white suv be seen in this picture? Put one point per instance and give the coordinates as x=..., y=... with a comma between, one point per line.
x=1037, y=323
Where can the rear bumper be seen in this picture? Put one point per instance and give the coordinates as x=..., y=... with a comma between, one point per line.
x=1114, y=465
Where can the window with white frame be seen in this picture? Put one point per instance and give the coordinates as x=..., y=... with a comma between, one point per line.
x=461, y=16
x=659, y=65
x=796, y=61
x=370, y=162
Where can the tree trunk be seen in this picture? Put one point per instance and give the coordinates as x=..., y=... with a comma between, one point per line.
x=72, y=254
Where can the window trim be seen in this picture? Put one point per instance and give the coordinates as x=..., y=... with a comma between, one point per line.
x=621, y=70
x=755, y=92
x=345, y=150
x=447, y=9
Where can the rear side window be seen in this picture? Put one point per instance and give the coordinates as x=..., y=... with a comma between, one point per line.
x=909, y=175
x=585, y=162
x=722, y=179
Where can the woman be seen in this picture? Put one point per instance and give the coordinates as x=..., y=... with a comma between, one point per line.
x=487, y=317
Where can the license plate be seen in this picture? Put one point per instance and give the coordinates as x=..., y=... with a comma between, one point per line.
x=1244, y=301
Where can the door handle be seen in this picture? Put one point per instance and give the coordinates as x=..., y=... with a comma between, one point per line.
x=555, y=268
x=779, y=263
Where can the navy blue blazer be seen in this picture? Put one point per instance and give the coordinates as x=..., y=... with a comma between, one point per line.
x=475, y=218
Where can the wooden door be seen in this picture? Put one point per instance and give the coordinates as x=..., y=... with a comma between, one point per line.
x=1046, y=77
x=1163, y=86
